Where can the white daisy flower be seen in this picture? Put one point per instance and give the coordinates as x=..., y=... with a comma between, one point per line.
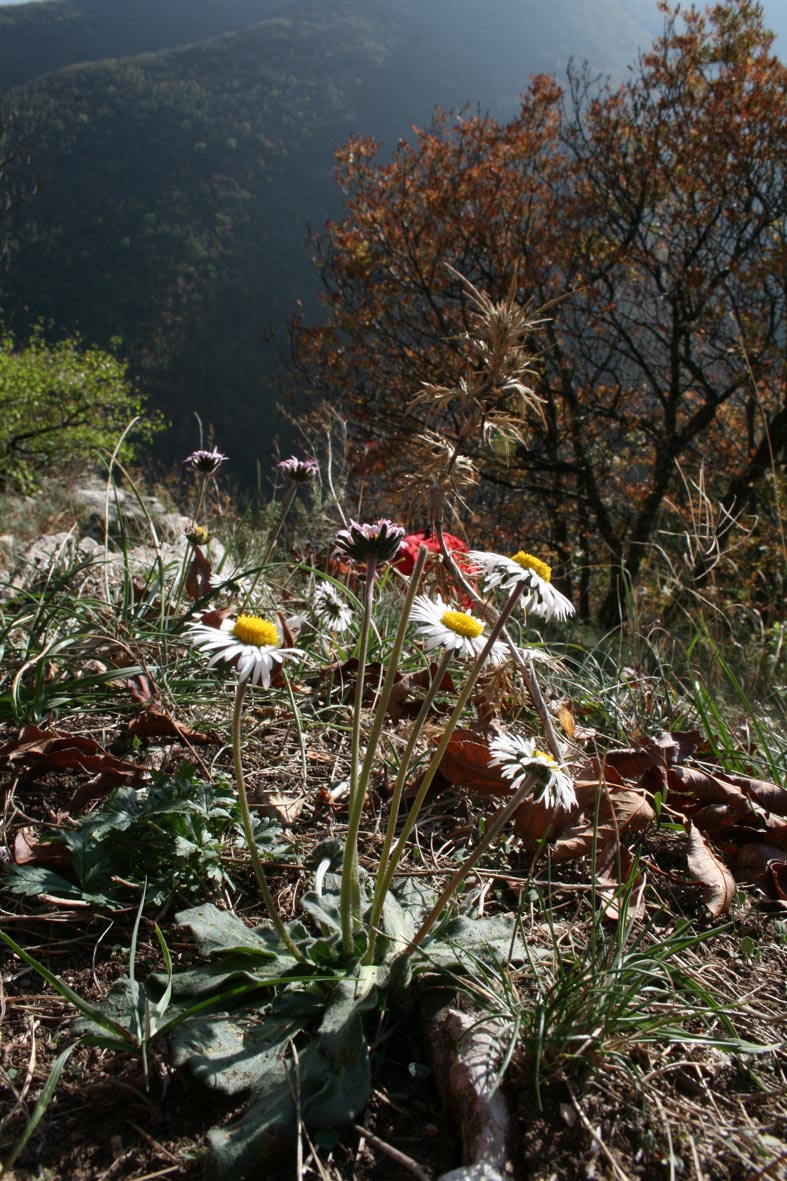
x=229, y=578
x=539, y=596
x=252, y=644
x=519, y=760
x=457, y=630
x=330, y=608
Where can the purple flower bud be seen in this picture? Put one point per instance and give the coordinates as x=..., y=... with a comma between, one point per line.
x=300, y=471
x=205, y=462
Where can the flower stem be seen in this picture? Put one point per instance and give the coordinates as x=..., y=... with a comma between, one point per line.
x=203, y=480
x=289, y=496
x=385, y=878
x=248, y=829
x=498, y=821
x=350, y=902
x=381, y=707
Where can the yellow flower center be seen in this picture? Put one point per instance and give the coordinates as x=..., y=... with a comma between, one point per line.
x=197, y=535
x=250, y=629
x=545, y=758
x=528, y=562
x=462, y=624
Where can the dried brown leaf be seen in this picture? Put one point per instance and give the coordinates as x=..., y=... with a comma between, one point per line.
x=647, y=765
x=702, y=786
x=718, y=884
x=40, y=751
x=629, y=764
x=578, y=840
x=285, y=809
x=533, y=821
x=29, y=850
x=770, y=796
x=670, y=749
x=398, y=704
x=752, y=859
x=632, y=809
x=142, y=688
x=718, y=816
x=198, y=575
x=466, y=764
x=155, y=723
x=776, y=881
x=566, y=718
x=598, y=773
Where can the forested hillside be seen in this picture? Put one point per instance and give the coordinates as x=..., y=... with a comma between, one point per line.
x=173, y=197
x=168, y=195
x=39, y=38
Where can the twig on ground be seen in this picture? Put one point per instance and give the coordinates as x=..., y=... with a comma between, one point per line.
x=395, y=1154
x=596, y=1138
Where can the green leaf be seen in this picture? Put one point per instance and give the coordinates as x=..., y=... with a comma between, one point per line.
x=232, y=1053
x=492, y=938
x=331, y=1077
x=122, y=1007
x=217, y=930
x=28, y=881
x=214, y=978
x=324, y=912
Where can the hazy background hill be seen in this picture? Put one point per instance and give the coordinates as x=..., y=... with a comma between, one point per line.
x=179, y=151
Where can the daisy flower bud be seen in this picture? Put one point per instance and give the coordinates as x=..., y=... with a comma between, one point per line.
x=197, y=534
x=380, y=542
x=205, y=462
x=300, y=471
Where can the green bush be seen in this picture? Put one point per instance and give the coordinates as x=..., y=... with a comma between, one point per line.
x=59, y=403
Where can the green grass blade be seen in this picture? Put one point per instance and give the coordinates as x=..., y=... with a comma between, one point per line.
x=44, y=1099
x=85, y=1008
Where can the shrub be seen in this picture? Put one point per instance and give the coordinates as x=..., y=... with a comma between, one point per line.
x=59, y=403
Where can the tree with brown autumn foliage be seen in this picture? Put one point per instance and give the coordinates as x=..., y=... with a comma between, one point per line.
x=647, y=224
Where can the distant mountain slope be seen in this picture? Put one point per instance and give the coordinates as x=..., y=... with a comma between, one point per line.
x=175, y=188
x=174, y=194
x=39, y=38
